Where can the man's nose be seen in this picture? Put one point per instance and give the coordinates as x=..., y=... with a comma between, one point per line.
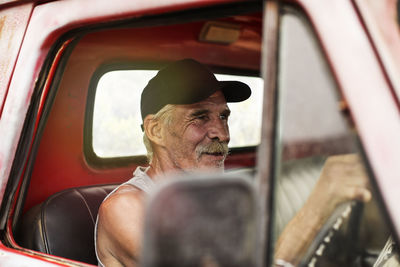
x=218, y=129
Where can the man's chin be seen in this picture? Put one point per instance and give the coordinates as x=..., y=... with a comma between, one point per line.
x=212, y=166
x=209, y=169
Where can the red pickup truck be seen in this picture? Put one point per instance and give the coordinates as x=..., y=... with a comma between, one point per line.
x=325, y=80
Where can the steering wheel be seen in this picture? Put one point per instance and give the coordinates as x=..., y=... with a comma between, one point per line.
x=331, y=236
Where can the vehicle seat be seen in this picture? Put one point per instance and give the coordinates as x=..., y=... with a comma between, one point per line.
x=63, y=225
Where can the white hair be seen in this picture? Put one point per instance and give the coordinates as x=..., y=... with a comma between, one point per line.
x=165, y=116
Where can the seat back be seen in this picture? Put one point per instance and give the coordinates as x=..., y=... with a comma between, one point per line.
x=63, y=225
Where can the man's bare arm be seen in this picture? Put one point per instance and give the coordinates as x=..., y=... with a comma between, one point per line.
x=120, y=228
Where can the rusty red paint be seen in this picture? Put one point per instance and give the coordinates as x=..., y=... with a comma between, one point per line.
x=45, y=91
x=49, y=79
x=14, y=257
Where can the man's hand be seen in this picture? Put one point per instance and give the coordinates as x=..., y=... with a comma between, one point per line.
x=342, y=179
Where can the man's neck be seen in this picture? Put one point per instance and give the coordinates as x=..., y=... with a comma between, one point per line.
x=161, y=169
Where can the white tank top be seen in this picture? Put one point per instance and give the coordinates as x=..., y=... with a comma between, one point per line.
x=139, y=180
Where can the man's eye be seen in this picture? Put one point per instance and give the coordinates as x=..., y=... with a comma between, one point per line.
x=223, y=117
x=202, y=117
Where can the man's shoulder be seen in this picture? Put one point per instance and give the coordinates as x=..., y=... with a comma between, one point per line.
x=126, y=197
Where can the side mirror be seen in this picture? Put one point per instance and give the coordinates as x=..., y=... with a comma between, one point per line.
x=201, y=221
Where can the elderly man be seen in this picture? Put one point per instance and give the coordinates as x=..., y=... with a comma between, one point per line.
x=185, y=122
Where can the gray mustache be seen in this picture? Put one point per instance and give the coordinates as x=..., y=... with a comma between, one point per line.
x=214, y=147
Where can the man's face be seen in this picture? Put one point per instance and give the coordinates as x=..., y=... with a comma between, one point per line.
x=198, y=135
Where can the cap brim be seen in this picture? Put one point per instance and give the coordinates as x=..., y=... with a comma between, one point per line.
x=235, y=91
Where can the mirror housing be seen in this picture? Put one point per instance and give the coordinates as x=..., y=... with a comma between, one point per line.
x=201, y=220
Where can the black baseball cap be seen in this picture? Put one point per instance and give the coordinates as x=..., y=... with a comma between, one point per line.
x=186, y=82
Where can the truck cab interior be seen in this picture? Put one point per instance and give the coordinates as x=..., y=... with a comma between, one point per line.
x=83, y=135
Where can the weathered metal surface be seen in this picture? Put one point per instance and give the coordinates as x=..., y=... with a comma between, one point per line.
x=381, y=21
x=13, y=22
x=12, y=257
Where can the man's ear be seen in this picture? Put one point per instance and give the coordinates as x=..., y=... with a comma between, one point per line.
x=152, y=128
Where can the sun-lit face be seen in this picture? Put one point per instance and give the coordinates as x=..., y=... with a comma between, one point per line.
x=198, y=135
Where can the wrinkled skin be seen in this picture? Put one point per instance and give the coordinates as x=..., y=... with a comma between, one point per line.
x=196, y=139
